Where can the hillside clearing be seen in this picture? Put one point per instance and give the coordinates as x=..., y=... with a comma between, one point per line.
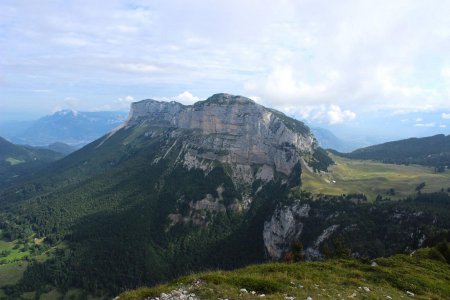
x=349, y=176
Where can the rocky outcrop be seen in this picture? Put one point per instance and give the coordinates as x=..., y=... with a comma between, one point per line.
x=313, y=251
x=366, y=229
x=284, y=227
x=233, y=130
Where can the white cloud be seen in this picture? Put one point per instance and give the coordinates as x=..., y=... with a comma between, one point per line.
x=71, y=41
x=138, y=67
x=425, y=124
x=121, y=104
x=359, y=55
x=255, y=98
x=419, y=119
x=71, y=103
x=281, y=87
x=56, y=109
x=186, y=98
x=446, y=116
x=327, y=114
x=126, y=100
x=443, y=126
x=445, y=72
x=336, y=115
x=42, y=90
x=309, y=100
x=125, y=29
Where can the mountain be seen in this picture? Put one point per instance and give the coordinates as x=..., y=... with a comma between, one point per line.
x=328, y=140
x=66, y=126
x=429, y=151
x=178, y=189
x=17, y=160
x=175, y=188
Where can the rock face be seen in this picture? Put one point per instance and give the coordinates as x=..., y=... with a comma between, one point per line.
x=313, y=252
x=233, y=130
x=284, y=227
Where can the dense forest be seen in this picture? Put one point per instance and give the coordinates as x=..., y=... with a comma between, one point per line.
x=431, y=151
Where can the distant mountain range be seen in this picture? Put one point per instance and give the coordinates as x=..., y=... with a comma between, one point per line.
x=329, y=140
x=67, y=126
x=429, y=151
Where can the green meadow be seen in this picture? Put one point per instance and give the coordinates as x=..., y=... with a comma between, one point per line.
x=13, y=253
x=13, y=161
x=349, y=176
x=425, y=276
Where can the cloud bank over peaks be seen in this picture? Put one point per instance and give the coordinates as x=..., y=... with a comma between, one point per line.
x=311, y=101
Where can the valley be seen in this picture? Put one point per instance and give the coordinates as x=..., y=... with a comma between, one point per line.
x=372, y=178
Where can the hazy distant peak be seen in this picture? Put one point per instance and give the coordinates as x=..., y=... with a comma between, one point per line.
x=66, y=112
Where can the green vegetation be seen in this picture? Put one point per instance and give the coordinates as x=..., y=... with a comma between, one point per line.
x=11, y=273
x=110, y=204
x=15, y=257
x=291, y=123
x=12, y=161
x=420, y=274
x=121, y=213
x=431, y=151
x=320, y=160
x=17, y=161
x=13, y=251
x=349, y=176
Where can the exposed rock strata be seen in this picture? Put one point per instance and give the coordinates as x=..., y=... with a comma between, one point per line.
x=233, y=130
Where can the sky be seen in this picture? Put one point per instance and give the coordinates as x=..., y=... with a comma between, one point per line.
x=351, y=66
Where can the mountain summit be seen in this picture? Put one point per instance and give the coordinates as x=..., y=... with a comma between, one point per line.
x=254, y=141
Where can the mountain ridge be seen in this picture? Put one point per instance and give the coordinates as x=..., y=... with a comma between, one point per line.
x=231, y=122
x=75, y=128
x=431, y=151
x=17, y=160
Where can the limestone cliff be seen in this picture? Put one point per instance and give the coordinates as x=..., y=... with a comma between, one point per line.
x=233, y=130
x=283, y=228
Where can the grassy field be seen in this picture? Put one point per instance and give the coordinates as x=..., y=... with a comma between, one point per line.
x=13, y=161
x=14, y=254
x=330, y=279
x=371, y=178
x=11, y=273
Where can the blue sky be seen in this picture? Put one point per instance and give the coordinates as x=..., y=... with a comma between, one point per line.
x=337, y=64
